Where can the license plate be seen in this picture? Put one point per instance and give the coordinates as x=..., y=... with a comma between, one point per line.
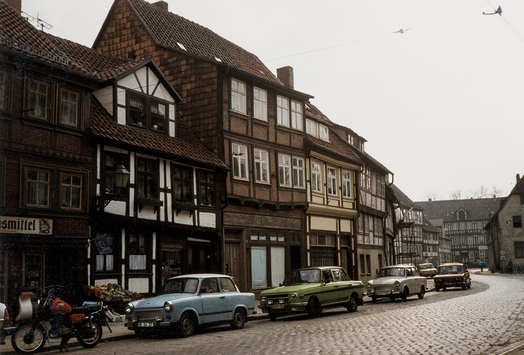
x=382, y=293
x=146, y=324
x=277, y=306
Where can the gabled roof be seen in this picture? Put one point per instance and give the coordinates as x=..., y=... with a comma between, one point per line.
x=477, y=209
x=335, y=145
x=171, y=31
x=185, y=146
x=429, y=227
x=403, y=199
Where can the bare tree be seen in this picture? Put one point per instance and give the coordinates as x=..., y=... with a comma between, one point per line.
x=482, y=192
x=432, y=196
x=496, y=192
x=455, y=195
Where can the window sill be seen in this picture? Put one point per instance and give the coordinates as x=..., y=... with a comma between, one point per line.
x=184, y=206
x=156, y=203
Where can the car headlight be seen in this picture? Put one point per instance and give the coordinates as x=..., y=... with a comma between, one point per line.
x=168, y=306
x=292, y=296
x=369, y=285
x=263, y=299
x=397, y=284
x=129, y=308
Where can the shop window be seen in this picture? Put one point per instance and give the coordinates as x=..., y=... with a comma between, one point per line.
x=71, y=191
x=38, y=105
x=258, y=267
x=137, y=252
x=206, y=188
x=183, y=184
x=38, y=186
x=69, y=108
x=147, y=178
x=172, y=261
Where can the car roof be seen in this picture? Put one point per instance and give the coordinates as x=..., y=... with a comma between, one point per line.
x=426, y=264
x=319, y=268
x=200, y=276
x=445, y=264
x=399, y=265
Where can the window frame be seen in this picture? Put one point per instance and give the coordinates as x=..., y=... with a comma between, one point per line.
x=143, y=240
x=284, y=171
x=283, y=111
x=118, y=193
x=46, y=97
x=72, y=186
x=298, y=171
x=297, y=115
x=519, y=249
x=63, y=102
x=239, y=162
x=149, y=121
x=48, y=185
x=323, y=132
x=238, y=96
x=259, y=104
x=112, y=241
x=206, y=187
x=147, y=192
x=182, y=185
x=311, y=127
x=261, y=162
x=316, y=177
x=517, y=221
x=332, y=187
x=347, y=190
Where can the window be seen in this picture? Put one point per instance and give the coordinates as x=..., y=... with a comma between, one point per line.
x=183, y=184
x=112, y=161
x=71, y=191
x=69, y=105
x=206, y=182
x=106, y=262
x=261, y=166
x=517, y=221
x=282, y=111
x=147, y=178
x=38, y=187
x=323, y=132
x=258, y=267
x=38, y=99
x=239, y=161
x=519, y=249
x=297, y=119
x=3, y=90
x=311, y=127
x=284, y=170
x=298, y=172
x=226, y=285
x=346, y=183
x=332, y=181
x=137, y=252
x=238, y=96
x=316, y=177
x=146, y=112
x=260, y=104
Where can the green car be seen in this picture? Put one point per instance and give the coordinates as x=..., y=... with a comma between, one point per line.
x=310, y=290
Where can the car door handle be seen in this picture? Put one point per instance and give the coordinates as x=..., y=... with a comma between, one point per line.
x=222, y=297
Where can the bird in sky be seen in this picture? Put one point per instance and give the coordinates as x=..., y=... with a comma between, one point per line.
x=498, y=11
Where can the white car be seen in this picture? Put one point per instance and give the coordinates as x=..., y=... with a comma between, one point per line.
x=4, y=321
x=397, y=281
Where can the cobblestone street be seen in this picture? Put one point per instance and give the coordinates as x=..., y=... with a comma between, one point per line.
x=487, y=319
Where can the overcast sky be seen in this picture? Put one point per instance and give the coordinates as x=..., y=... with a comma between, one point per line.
x=436, y=87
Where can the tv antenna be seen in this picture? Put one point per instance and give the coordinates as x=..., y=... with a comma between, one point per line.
x=39, y=22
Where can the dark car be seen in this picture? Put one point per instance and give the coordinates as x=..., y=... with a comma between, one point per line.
x=452, y=275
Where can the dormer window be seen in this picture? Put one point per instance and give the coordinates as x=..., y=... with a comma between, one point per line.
x=146, y=113
x=317, y=130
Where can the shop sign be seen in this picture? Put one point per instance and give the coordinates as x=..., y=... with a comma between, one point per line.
x=19, y=225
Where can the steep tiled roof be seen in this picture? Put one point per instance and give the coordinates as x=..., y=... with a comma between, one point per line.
x=477, y=209
x=403, y=199
x=170, y=30
x=335, y=145
x=429, y=227
x=185, y=146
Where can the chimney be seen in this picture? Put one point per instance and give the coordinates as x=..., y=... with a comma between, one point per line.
x=15, y=4
x=285, y=75
x=162, y=4
x=518, y=177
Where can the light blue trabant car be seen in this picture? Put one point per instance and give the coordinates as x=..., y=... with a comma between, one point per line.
x=188, y=301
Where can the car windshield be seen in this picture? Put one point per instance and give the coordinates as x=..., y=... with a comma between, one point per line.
x=426, y=266
x=180, y=285
x=393, y=271
x=302, y=276
x=451, y=269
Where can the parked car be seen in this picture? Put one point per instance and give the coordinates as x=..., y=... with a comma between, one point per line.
x=188, y=301
x=452, y=275
x=397, y=281
x=309, y=290
x=4, y=322
x=427, y=269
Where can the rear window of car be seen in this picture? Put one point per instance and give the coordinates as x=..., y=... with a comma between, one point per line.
x=227, y=285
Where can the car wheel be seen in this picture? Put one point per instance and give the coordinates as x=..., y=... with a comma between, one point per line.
x=374, y=299
x=272, y=317
x=437, y=289
x=239, y=319
x=443, y=289
x=313, y=308
x=187, y=325
x=353, y=303
x=469, y=284
x=464, y=286
x=421, y=293
x=404, y=294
